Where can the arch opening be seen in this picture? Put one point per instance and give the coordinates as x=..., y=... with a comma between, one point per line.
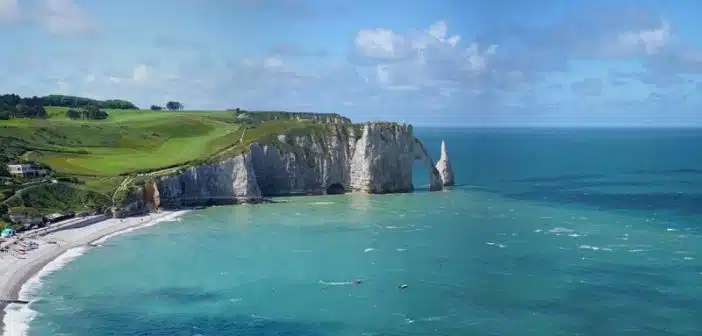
x=336, y=189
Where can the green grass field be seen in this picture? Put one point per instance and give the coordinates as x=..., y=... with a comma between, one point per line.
x=128, y=141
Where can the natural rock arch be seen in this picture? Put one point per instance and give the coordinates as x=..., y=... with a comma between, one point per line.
x=420, y=153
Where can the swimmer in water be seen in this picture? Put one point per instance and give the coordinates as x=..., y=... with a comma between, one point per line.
x=402, y=286
x=357, y=282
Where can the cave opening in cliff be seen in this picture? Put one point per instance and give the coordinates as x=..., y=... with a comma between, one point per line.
x=336, y=189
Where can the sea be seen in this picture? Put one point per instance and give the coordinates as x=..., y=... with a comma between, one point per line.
x=547, y=232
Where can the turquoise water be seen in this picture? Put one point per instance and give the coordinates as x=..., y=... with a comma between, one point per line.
x=557, y=232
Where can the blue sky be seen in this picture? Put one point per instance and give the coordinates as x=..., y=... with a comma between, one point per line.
x=438, y=62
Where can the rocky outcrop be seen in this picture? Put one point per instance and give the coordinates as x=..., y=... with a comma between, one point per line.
x=444, y=167
x=377, y=158
x=134, y=203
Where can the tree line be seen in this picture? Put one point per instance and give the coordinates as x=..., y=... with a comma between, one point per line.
x=14, y=106
x=81, y=102
x=88, y=113
x=171, y=106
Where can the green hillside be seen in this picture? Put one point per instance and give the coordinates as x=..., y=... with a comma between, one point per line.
x=98, y=155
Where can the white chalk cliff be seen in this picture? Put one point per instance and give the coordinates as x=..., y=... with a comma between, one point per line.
x=444, y=167
x=377, y=159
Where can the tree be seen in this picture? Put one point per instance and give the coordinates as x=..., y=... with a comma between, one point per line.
x=156, y=108
x=38, y=111
x=21, y=110
x=3, y=211
x=174, y=105
x=3, y=170
x=74, y=114
x=93, y=112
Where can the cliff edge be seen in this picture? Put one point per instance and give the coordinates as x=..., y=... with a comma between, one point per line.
x=334, y=158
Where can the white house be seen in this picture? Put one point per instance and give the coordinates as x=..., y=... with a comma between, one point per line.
x=25, y=170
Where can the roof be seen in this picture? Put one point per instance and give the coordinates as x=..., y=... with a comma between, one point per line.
x=53, y=216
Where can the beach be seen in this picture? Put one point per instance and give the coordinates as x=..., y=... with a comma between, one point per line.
x=16, y=269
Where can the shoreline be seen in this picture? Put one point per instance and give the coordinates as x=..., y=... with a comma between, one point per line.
x=16, y=272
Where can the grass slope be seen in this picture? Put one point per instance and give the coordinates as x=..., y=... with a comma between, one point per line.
x=102, y=153
x=57, y=197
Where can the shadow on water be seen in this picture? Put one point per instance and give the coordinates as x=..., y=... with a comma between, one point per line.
x=612, y=299
x=565, y=178
x=181, y=295
x=666, y=172
x=588, y=189
x=627, y=300
x=132, y=315
x=125, y=323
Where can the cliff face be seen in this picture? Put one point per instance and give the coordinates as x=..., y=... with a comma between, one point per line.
x=228, y=182
x=305, y=164
x=335, y=160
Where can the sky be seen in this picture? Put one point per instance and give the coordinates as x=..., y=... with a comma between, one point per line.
x=438, y=62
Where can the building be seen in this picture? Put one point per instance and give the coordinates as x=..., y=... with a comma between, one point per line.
x=25, y=170
x=26, y=219
x=53, y=218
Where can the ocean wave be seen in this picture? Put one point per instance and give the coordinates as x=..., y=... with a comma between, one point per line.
x=336, y=283
x=594, y=248
x=18, y=316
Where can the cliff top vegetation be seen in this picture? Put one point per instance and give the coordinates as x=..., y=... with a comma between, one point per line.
x=96, y=146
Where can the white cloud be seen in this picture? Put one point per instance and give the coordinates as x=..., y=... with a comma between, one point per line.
x=439, y=30
x=63, y=17
x=431, y=62
x=379, y=43
x=140, y=73
x=9, y=11
x=381, y=74
x=649, y=40
x=273, y=63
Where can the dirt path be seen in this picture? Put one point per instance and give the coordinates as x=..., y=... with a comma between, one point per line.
x=121, y=186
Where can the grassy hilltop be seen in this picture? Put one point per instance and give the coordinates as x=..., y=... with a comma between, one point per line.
x=92, y=159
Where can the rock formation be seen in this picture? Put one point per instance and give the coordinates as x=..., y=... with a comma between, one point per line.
x=375, y=159
x=444, y=167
